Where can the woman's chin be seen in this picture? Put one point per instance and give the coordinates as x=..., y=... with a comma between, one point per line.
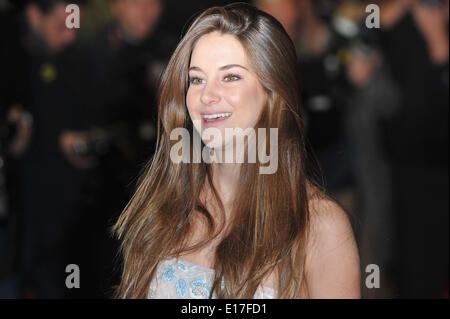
x=219, y=150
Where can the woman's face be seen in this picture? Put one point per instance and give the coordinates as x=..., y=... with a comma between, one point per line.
x=221, y=83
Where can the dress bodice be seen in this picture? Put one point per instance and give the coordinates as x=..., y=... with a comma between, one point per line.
x=179, y=279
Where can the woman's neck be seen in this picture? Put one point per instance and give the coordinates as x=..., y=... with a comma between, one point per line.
x=225, y=179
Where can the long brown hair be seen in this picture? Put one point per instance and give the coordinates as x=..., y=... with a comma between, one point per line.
x=270, y=212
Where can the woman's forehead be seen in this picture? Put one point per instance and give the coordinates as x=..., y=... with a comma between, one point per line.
x=216, y=50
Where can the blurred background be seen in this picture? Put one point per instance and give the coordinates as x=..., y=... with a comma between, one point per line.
x=77, y=124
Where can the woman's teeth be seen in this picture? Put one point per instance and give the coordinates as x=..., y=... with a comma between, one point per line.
x=216, y=116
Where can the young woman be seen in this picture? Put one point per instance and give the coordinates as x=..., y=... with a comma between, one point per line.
x=226, y=230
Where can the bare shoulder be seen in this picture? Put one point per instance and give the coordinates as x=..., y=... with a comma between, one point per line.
x=327, y=218
x=332, y=259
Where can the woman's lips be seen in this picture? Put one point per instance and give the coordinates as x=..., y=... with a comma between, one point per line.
x=214, y=122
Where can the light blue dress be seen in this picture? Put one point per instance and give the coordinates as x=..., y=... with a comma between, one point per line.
x=180, y=279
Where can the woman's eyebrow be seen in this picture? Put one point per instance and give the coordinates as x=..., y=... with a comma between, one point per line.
x=225, y=67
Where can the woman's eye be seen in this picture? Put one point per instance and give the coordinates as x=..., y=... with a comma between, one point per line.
x=231, y=77
x=227, y=78
x=195, y=80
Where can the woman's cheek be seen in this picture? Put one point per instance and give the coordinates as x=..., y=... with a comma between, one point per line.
x=190, y=104
x=243, y=94
x=233, y=98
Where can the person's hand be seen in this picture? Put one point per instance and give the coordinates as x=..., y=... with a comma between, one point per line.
x=432, y=23
x=68, y=142
x=430, y=19
x=393, y=11
x=23, y=121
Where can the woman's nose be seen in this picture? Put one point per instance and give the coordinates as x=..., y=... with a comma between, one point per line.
x=210, y=94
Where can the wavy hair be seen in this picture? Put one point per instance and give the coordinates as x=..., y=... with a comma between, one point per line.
x=269, y=229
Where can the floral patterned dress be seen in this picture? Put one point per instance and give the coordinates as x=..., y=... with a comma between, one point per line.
x=179, y=279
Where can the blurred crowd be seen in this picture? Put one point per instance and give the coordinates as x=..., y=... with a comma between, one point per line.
x=78, y=122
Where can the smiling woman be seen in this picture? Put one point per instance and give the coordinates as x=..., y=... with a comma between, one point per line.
x=223, y=230
x=224, y=84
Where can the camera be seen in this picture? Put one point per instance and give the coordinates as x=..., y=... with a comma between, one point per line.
x=97, y=144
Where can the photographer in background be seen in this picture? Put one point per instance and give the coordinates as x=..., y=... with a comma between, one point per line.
x=127, y=57
x=44, y=78
x=321, y=49
x=416, y=43
x=15, y=131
